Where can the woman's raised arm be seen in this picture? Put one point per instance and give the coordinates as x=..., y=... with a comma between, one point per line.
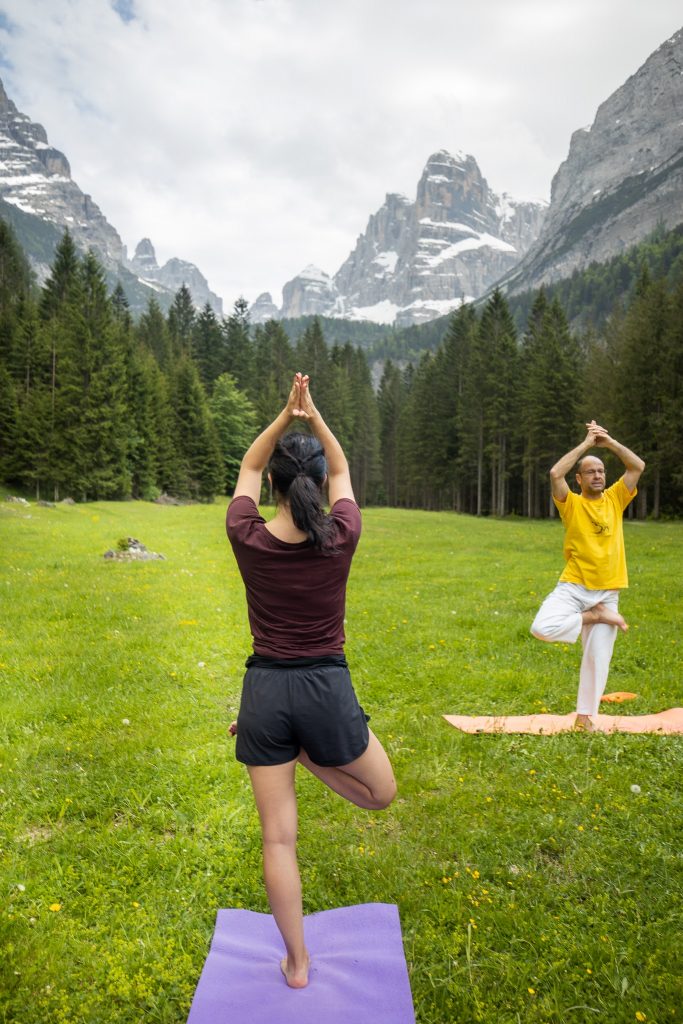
x=257, y=455
x=338, y=475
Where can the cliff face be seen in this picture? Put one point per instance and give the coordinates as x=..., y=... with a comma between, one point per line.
x=35, y=180
x=419, y=259
x=622, y=178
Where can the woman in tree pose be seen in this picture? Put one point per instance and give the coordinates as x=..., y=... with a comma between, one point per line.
x=298, y=704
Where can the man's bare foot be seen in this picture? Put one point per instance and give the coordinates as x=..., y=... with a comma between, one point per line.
x=584, y=723
x=602, y=613
x=295, y=977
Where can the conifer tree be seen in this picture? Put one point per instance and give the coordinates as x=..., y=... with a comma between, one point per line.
x=366, y=431
x=143, y=423
x=501, y=390
x=416, y=488
x=121, y=308
x=200, y=460
x=336, y=388
x=207, y=346
x=313, y=358
x=63, y=327
x=170, y=466
x=358, y=421
x=152, y=330
x=9, y=426
x=550, y=399
x=104, y=470
x=236, y=425
x=273, y=368
x=15, y=272
x=59, y=286
x=646, y=379
x=238, y=358
x=390, y=399
x=448, y=381
x=15, y=286
x=471, y=427
x=181, y=321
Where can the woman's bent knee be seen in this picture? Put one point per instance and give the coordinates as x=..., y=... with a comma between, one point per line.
x=384, y=795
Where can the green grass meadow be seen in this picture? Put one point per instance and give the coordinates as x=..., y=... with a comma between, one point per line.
x=533, y=883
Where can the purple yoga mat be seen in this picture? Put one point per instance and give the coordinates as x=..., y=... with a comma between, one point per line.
x=358, y=971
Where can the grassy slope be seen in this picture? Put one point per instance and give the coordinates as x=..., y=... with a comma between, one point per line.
x=533, y=884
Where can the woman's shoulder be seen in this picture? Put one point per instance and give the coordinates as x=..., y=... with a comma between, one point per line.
x=346, y=515
x=242, y=516
x=345, y=508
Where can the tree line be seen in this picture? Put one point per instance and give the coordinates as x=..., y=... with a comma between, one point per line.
x=96, y=405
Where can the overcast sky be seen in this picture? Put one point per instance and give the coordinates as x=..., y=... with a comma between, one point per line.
x=254, y=137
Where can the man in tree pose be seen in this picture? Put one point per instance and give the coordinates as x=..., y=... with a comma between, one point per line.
x=585, y=601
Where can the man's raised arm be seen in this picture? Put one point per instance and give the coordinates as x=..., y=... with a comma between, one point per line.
x=633, y=463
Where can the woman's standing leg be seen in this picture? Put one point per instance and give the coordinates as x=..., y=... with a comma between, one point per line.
x=275, y=797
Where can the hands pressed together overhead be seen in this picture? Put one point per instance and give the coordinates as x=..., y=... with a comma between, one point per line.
x=300, y=404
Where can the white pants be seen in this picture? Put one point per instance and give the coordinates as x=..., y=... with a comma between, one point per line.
x=559, y=621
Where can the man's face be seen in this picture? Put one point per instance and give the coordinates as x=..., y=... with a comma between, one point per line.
x=591, y=477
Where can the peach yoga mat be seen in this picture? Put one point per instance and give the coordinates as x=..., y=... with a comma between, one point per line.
x=664, y=722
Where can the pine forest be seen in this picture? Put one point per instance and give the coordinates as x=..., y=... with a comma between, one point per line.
x=95, y=405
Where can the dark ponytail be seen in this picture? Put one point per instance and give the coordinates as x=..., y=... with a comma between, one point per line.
x=297, y=469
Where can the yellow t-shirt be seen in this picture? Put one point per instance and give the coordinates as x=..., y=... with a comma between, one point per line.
x=594, y=538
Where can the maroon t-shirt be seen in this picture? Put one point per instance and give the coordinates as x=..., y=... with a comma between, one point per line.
x=295, y=593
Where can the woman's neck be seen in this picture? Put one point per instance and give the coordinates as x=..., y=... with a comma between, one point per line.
x=282, y=526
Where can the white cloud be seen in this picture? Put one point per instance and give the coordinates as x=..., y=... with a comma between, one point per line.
x=254, y=137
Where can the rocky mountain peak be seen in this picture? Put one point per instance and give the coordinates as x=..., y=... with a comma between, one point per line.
x=263, y=309
x=173, y=275
x=310, y=292
x=623, y=175
x=418, y=259
x=453, y=188
x=35, y=179
x=145, y=259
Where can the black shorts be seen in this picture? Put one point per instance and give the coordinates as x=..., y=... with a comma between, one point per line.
x=300, y=703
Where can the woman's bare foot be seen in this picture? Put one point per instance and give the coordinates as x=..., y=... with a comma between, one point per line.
x=602, y=613
x=584, y=723
x=295, y=977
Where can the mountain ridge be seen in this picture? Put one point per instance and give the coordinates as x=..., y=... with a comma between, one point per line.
x=419, y=259
x=622, y=177
x=35, y=181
